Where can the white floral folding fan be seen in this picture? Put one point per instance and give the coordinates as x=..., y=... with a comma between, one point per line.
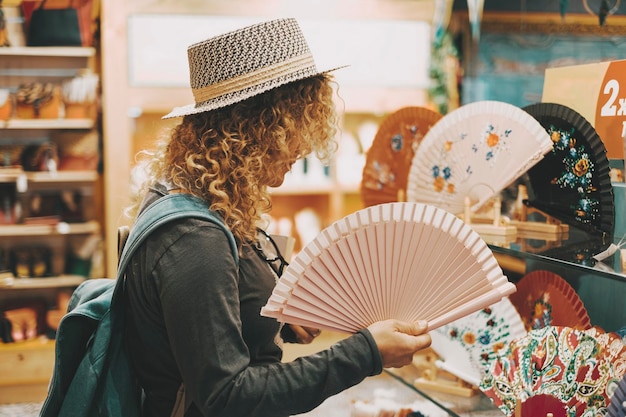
x=468, y=345
x=401, y=260
x=475, y=151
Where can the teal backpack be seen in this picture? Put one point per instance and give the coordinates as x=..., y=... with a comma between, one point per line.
x=92, y=374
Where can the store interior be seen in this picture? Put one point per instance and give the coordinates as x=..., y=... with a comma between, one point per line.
x=74, y=119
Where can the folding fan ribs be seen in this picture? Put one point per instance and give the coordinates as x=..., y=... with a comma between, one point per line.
x=407, y=261
x=475, y=151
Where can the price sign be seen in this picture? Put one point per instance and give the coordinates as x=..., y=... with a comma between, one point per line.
x=598, y=93
x=611, y=108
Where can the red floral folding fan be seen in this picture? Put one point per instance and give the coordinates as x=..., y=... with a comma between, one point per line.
x=578, y=368
x=388, y=159
x=544, y=298
x=407, y=261
x=475, y=152
x=572, y=182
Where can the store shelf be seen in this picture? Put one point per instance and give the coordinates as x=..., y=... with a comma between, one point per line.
x=311, y=189
x=62, y=281
x=47, y=124
x=59, y=177
x=42, y=199
x=62, y=51
x=60, y=228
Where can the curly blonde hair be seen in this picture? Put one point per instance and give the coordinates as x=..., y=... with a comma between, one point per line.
x=229, y=156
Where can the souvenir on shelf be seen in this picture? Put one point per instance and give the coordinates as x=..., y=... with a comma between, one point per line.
x=572, y=182
x=388, y=159
x=468, y=345
x=402, y=260
x=544, y=298
x=475, y=151
x=577, y=368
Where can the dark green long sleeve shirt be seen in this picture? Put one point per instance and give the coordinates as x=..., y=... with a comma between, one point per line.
x=194, y=316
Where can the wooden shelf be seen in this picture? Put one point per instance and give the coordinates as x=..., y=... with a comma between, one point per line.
x=62, y=176
x=303, y=189
x=60, y=228
x=26, y=366
x=63, y=51
x=59, y=177
x=47, y=124
x=313, y=189
x=61, y=281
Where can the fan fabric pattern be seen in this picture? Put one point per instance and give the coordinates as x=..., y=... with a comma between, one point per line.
x=475, y=151
x=544, y=298
x=388, y=160
x=470, y=344
x=579, y=368
x=407, y=261
x=572, y=183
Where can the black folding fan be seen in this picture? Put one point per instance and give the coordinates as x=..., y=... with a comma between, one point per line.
x=572, y=182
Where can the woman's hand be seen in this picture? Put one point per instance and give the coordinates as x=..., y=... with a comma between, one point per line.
x=398, y=341
x=304, y=335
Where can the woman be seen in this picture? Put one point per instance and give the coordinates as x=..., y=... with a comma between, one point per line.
x=193, y=313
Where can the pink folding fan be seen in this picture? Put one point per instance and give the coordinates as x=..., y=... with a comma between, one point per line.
x=400, y=260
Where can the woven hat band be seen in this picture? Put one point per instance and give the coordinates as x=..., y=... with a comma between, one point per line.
x=255, y=78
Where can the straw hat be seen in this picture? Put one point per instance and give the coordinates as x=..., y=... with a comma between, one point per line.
x=246, y=62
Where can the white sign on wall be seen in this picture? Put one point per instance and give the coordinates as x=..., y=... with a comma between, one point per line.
x=389, y=53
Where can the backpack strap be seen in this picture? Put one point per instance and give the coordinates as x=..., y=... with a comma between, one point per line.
x=165, y=209
x=122, y=237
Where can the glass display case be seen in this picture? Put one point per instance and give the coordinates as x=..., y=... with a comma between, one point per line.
x=600, y=283
x=591, y=265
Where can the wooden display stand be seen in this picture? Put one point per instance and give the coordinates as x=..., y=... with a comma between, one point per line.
x=434, y=378
x=489, y=224
x=550, y=229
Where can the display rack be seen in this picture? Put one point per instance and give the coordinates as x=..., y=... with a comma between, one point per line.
x=29, y=363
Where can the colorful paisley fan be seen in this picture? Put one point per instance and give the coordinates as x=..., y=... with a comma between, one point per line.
x=389, y=158
x=475, y=152
x=580, y=368
x=572, y=182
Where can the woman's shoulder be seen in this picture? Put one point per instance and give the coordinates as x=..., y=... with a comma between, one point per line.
x=182, y=224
